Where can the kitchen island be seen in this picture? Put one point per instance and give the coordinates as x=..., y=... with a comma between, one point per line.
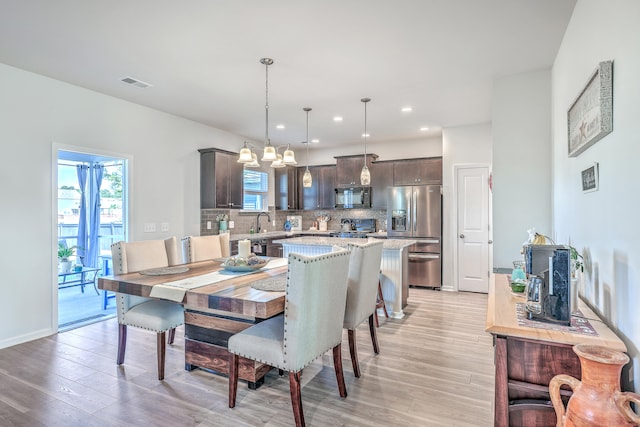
x=393, y=268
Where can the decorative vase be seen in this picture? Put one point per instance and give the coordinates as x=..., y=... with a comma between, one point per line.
x=597, y=399
x=223, y=225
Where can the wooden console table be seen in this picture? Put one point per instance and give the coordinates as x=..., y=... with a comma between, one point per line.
x=526, y=358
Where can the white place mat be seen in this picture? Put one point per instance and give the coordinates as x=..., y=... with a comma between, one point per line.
x=175, y=291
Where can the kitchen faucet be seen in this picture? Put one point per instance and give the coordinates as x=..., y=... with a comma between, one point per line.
x=258, y=220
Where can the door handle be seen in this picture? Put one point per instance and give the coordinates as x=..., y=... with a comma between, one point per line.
x=462, y=236
x=490, y=241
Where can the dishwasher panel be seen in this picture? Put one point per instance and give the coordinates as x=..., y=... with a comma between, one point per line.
x=425, y=269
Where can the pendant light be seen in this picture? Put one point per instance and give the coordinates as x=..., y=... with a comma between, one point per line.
x=365, y=175
x=307, y=180
x=289, y=157
x=245, y=154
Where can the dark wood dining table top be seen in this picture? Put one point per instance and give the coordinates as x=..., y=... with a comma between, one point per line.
x=233, y=295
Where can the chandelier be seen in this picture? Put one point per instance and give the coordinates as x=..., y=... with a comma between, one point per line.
x=270, y=153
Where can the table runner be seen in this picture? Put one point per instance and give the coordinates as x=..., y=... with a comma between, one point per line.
x=579, y=324
x=175, y=291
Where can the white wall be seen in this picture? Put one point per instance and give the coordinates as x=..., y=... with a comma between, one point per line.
x=465, y=145
x=603, y=223
x=428, y=147
x=37, y=112
x=521, y=162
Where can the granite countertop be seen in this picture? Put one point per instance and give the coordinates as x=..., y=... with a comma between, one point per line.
x=394, y=244
x=276, y=234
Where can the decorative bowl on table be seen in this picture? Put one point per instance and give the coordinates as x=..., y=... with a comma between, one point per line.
x=239, y=264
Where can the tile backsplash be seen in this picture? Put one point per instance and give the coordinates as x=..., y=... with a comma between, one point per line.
x=244, y=220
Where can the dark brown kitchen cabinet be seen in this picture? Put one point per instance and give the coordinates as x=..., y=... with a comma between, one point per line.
x=321, y=194
x=286, y=188
x=220, y=179
x=381, y=179
x=348, y=169
x=417, y=171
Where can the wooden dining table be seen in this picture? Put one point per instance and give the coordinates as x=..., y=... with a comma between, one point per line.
x=215, y=310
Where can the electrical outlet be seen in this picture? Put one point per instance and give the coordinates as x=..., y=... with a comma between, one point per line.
x=232, y=224
x=149, y=227
x=208, y=225
x=273, y=223
x=164, y=226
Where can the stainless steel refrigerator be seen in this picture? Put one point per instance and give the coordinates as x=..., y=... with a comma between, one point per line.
x=415, y=212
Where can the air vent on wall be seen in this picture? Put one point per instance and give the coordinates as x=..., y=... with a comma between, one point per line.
x=135, y=82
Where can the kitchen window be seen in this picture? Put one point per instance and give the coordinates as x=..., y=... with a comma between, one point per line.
x=256, y=190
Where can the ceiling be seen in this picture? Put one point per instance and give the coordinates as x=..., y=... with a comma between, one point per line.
x=202, y=58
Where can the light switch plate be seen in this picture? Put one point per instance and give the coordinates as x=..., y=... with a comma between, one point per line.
x=149, y=227
x=164, y=226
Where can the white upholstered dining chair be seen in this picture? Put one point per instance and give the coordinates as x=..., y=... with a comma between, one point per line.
x=362, y=292
x=310, y=326
x=200, y=248
x=152, y=314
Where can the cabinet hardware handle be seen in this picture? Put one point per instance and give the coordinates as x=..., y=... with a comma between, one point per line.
x=462, y=236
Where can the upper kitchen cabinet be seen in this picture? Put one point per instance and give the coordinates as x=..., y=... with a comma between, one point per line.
x=348, y=169
x=321, y=194
x=220, y=179
x=417, y=171
x=381, y=179
x=286, y=188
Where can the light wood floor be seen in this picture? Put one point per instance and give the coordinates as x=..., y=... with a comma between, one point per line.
x=435, y=369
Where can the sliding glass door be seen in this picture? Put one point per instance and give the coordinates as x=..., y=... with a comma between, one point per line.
x=91, y=207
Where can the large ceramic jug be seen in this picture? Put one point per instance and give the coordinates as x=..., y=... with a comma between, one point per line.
x=597, y=399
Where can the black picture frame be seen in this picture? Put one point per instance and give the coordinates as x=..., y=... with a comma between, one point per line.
x=590, y=178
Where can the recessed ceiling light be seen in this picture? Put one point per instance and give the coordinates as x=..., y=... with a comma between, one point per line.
x=337, y=119
x=407, y=109
x=279, y=126
x=366, y=134
x=315, y=141
x=424, y=129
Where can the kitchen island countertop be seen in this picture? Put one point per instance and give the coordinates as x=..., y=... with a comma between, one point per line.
x=390, y=244
x=394, y=279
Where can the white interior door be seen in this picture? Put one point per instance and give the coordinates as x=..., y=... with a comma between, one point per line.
x=473, y=228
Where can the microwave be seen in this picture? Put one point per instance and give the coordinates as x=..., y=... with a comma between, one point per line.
x=353, y=197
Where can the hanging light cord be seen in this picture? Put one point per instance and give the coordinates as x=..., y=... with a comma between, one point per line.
x=266, y=105
x=365, y=133
x=307, y=139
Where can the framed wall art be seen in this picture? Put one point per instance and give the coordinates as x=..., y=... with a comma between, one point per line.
x=590, y=178
x=590, y=117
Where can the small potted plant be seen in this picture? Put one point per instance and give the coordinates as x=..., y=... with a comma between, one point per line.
x=576, y=262
x=64, y=253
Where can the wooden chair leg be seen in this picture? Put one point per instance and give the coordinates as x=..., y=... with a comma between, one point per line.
x=161, y=352
x=296, y=398
x=374, y=336
x=172, y=336
x=122, y=343
x=233, y=379
x=353, y=352
x=337, y=363
x=380, y=304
